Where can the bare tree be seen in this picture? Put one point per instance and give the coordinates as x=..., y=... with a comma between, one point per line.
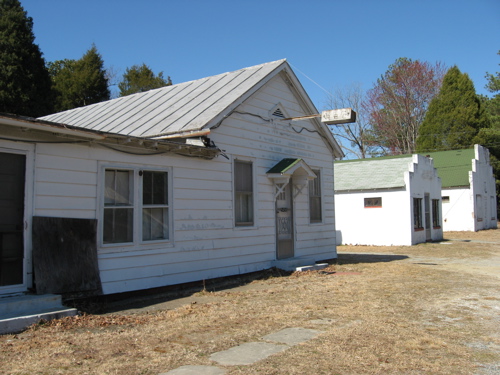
x=398, y=102
x=356, y=139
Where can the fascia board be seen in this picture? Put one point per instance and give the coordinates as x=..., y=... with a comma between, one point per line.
x=49, y=127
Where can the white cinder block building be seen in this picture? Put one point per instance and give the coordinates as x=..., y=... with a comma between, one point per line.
x=469, y=191
x=387, y=201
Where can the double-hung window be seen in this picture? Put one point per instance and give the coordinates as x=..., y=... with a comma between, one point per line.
x=118, y=206
x=315, y=198
x=136, y=206
x=243, y=193
x=154, y=206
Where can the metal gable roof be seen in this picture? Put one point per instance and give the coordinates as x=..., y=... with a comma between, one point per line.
x=177, y=109
x=453, y=166
x=371, y=174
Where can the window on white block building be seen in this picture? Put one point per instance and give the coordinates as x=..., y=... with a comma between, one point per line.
x=417, y=214
x=373, y=202
x=436, y=213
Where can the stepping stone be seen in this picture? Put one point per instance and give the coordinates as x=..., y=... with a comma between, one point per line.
x=246, y=354
x=322, y=321
x=195, y=370
x=292, y=336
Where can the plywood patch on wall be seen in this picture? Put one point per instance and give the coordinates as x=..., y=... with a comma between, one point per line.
x=65, y=256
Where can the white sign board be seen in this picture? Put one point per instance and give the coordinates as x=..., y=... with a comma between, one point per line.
x=338, y=116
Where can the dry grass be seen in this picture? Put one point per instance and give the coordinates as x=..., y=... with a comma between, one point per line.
x=397, y=310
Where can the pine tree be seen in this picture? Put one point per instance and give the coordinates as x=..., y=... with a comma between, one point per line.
x=140, y=78
x=79, y=82
x=490, y=137
x=455, y=116
x=493, y=104
x=25, y=86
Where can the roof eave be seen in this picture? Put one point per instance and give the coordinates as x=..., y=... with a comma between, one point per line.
x=35, y=124
x=117, y=142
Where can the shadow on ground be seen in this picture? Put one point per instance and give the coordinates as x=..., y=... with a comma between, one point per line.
x=353, y=258
x=184, y=293
x=146, y=298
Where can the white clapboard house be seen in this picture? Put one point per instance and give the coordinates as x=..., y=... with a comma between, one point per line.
x=193, y=181
x=468, y=195
x=387, y=201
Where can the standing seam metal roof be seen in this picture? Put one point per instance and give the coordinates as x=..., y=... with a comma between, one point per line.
x=179, y=108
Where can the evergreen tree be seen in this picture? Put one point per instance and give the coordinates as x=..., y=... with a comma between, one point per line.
x=79, y=82
x=455, y=116
x=490, y=137
x=493, y=104
x=141, y=78
x=25, y=87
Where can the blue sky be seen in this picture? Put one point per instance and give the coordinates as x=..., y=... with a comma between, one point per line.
x=328, y=43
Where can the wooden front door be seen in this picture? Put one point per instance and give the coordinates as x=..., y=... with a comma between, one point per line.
x=284, y=222
x=12, y=188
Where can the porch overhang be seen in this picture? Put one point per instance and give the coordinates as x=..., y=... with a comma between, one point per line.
x=288, y=169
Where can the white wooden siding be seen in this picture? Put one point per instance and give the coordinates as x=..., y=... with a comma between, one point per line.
x=205, y=243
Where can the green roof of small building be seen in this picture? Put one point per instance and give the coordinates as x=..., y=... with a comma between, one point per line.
x=284, y=165
x=371, y=174
x=453, y=166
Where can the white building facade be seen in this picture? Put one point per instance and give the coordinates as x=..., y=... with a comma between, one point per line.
x=168, y=186
x=469, y=191
x=387, y=201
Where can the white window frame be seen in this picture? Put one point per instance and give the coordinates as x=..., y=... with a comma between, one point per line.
x=250, y=161
x=155, y=206
x=127, y=204
x=28, y=150
x=137, y=205
x=320, y=185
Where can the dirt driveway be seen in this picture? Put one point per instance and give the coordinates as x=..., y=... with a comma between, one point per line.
x=428, y=309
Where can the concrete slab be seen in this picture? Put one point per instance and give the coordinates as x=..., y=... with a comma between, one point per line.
x=248, y=353
x=195, y=370
x=292, y=336
x=20, y=323
x=29, y=304
x=291, y=264
x=313, y=267
x=19, y=312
